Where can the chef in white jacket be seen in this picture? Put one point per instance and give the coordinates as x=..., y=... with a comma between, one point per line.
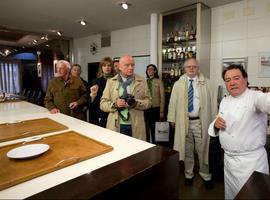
x=241, y=125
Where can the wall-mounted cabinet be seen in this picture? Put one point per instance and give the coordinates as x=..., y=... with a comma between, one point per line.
x=185, y=33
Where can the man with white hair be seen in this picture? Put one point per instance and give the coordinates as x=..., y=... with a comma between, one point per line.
x=190, y=111
x=66, y=94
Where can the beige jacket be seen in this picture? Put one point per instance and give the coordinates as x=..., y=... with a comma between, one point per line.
x=178, y=113
x=158, y=95
x=141, y=94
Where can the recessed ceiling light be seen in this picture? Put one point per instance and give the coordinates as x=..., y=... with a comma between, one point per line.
x=125, y=5
x=59, y=33
x=7, y=52
x=83, y=23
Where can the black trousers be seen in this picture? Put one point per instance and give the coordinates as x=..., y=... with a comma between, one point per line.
x=216, y=156
x=151, y=116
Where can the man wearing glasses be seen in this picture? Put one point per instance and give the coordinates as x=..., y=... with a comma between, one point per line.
x=190, y=112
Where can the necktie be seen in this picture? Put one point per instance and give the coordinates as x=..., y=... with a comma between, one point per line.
x=190, y=96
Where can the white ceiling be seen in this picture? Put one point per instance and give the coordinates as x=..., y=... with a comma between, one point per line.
x=47, y=16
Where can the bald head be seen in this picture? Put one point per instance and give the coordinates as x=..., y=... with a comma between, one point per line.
x=126, y=65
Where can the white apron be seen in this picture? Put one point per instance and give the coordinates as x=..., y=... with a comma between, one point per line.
x=238, y=167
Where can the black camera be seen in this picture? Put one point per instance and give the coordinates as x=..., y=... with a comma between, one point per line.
x=129, y=99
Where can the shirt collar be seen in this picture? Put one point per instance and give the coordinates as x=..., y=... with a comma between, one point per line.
x=195, y=78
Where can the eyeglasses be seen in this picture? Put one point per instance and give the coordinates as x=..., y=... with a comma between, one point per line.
x=191, y=66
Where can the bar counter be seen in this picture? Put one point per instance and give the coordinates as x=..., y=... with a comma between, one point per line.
x=134, y=169
x=256, y=187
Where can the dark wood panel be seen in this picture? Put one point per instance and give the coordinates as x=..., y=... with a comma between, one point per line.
x=151, y=174
x=257, y=187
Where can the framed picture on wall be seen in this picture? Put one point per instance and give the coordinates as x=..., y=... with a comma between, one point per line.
x=54, y=67
x=264, y=65
x=226, y=62
x=39, y=69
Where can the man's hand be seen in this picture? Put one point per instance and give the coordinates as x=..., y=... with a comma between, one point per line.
x=121, y=103
x=54, y=111
x=94, y=90
x=220, y=123
x=73, y=105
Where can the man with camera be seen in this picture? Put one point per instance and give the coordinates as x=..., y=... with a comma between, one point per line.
x=125, y=97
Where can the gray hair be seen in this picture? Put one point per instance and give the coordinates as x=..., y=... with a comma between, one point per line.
x=187, y=60
x=63, y=62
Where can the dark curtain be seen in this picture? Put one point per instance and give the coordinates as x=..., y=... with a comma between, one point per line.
x=46, y=59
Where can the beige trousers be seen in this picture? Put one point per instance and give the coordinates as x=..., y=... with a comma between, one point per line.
x=194, y=142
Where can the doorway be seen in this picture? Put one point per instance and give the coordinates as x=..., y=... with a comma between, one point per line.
x=92, y=72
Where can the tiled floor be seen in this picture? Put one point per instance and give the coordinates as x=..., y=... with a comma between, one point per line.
x=198, y=190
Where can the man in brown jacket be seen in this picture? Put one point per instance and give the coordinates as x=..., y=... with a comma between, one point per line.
x=66, y=94
x=125, y=97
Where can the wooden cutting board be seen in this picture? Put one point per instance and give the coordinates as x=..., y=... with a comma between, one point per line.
x=65, y=149
x=11, y=131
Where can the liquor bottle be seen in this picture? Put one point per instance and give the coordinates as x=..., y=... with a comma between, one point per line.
x=164, y=54
x=186, y=53
x=183, y=34
x=180, y=71
x=172, y=71
x=167, y=37
x=192, y=34
x=176, y=36
x=182, y=54
x=176, y=70
x=173, y=54
x=194, y=51
x=179, y=36
x=189, y=52
x=178, y=53
x=187, y=32
x=169, y=54
x=171, y=37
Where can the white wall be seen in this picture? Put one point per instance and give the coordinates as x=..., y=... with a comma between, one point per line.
x=240, y=29
x=134, y=41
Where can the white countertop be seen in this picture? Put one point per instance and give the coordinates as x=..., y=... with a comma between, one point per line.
x=124, y=146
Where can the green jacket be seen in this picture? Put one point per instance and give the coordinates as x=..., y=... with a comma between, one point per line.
x=60, y=94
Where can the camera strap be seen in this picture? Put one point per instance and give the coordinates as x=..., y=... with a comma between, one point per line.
x=123, y=117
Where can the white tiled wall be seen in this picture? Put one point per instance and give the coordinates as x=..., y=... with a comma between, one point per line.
x=134, y=41
x=240, y=29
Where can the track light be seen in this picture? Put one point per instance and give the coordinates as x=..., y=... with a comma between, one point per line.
x=45, y=37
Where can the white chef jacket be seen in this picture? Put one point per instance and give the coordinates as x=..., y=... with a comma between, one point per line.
x=244, y=138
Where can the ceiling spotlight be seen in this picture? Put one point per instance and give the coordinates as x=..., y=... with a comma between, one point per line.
x=59, y=33
x=7, y=52
x=125, y=5
x=83, y=23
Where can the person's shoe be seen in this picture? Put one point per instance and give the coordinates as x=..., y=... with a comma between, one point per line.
x=208, y=184
x=188, y=181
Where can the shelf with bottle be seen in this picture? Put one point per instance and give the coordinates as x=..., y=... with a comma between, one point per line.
x=170, y=74
x=178, y=54
x=183, y=35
